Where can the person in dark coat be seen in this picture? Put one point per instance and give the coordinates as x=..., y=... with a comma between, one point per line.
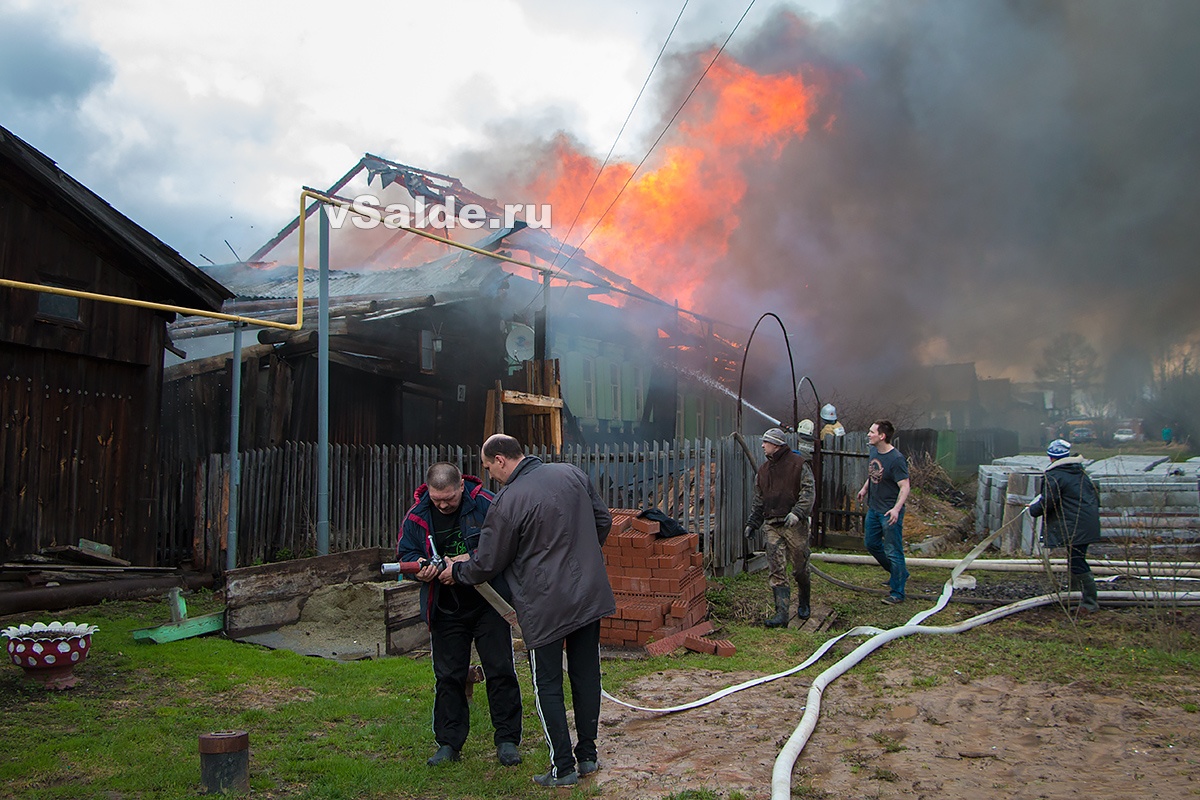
x=783, y=499
x=544, y=533
x=1071, y=506
x=446, y=521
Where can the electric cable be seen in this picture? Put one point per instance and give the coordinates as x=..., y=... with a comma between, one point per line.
x=563, y=242
x=663, y=133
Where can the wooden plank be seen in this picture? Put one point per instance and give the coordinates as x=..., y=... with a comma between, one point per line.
x=184, y=629
x=265, y=597
x=82, y=556
x=524, y=399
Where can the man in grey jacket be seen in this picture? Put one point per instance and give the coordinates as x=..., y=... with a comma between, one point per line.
x=544, y=532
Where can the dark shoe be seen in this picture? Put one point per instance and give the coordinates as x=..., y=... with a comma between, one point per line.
x=783, y=596
x=507, y=753
x=549, y=781
x=444, y=753
x=892, y=600
x=586, y=768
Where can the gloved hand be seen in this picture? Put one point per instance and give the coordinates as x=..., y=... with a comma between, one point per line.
x=749, y=532
x=791, y=520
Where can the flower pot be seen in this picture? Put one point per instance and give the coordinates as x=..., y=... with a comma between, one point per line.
x=50, y=653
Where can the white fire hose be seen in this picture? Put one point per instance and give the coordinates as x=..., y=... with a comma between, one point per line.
x=781, y=775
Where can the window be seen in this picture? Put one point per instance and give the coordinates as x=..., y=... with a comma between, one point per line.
x=589, y=388
x=427, y=351
x=58, y=307
x=614, y=372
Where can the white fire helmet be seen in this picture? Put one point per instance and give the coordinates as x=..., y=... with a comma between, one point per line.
x=805, y=428
x=828, y=412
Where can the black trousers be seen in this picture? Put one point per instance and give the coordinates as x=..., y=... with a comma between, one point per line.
x=582, y=647
x=450, y=641
x=1077, y=559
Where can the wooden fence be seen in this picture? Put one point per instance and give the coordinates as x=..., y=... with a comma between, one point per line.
x=707, y=486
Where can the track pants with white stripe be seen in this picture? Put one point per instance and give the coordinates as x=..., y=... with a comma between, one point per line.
x=583, y=670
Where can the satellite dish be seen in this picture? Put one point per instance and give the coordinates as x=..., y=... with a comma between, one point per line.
x=519, y=343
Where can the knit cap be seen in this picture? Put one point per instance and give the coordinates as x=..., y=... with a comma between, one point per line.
x=1059, y=448
x=775, y=436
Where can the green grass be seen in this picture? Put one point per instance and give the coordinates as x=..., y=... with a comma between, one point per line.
x=325, y=729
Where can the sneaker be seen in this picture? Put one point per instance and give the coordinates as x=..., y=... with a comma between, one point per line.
x=444, y=753
x=892, y=600
x=549, y=781
x=506, y=753
x=586, y=768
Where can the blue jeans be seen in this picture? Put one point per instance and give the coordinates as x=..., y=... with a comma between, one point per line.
x=886, y=543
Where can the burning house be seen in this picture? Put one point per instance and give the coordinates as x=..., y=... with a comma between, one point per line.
x=421, y=331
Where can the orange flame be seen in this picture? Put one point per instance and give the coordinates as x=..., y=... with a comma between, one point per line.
x=669, y=230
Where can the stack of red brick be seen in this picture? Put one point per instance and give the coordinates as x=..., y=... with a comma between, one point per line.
x=659, y=583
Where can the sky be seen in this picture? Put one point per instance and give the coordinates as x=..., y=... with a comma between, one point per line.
x=903, y=182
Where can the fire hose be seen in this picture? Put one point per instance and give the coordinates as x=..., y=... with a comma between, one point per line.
x=785, y=761
x=502, y=606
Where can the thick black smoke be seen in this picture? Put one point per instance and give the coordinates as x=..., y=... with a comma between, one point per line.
x=996, y=173
x=992, y=174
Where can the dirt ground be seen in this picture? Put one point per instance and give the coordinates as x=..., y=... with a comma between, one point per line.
x=973, y=739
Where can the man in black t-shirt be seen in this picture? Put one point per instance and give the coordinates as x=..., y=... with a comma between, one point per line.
x=886, y=490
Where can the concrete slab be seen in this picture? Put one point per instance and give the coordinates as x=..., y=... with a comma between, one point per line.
x=1125, y=465
x=1185, y=469
x=1022, y=462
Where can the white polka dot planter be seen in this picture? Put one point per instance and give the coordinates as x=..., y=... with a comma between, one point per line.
x=50, y=653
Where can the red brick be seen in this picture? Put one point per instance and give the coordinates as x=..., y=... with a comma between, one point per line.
x=725, y=648
x=697, y=559
x=644, y=525
x=663, y=646
x=672, y=546
x=698, y=645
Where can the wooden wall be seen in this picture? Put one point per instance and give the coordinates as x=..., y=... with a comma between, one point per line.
x=79, y=400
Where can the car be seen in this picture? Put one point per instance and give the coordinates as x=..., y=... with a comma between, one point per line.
x=1124, y=435
x=1083, y=435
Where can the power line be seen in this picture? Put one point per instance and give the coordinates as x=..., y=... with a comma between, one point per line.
x=666, y=128
x=628, y=116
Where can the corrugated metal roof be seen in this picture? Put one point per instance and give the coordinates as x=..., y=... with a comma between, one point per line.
x=461, y=275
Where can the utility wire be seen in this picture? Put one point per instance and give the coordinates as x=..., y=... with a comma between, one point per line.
x=666, y=128
x=612, y=149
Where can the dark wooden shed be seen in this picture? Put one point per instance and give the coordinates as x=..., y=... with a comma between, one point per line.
x=81, y=379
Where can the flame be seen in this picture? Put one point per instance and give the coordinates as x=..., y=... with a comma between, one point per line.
x=669, y=231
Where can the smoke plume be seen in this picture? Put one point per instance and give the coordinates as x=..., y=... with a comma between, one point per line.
x=914, y=183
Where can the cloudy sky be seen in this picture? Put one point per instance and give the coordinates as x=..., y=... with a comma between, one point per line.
x=903, y=182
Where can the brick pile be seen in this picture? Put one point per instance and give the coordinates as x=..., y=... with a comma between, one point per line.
x=659, y=583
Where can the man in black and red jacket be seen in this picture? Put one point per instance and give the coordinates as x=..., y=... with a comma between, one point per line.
x=445, y=522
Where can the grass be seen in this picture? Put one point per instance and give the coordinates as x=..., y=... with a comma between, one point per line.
x=325, y=729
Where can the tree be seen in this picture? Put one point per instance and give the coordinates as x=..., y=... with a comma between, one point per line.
x=1068, y=362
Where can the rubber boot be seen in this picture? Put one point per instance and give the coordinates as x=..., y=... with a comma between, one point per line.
x=805, y=587
x=783, y=596
x=1091, y=601
x=1085, y=584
